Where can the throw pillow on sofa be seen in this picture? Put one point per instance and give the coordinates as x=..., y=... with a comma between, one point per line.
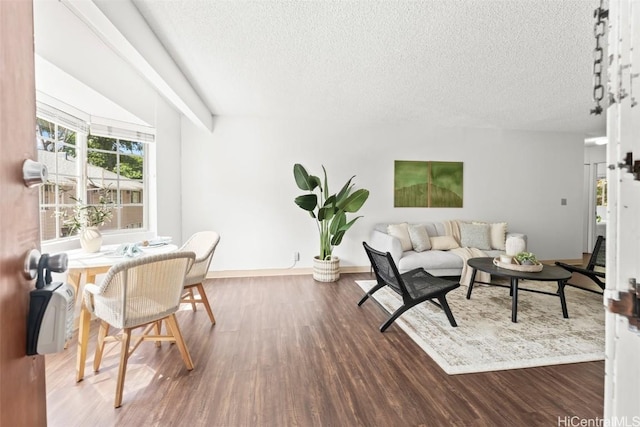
x=401, y=231
x=498, y=234
x=443, y=243
x=475, y=236
x=419, y=237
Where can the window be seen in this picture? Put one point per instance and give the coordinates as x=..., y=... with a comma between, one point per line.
x=83, y=165
x=117, y=166
x=56, y=149
x=601, y=192
x=135, y=197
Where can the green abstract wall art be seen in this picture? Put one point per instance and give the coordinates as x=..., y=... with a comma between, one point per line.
x=428, y=184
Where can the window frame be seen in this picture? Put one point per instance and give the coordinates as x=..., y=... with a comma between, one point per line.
x=83, y=180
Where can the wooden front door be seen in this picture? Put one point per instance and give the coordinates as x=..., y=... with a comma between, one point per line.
x=22, y=378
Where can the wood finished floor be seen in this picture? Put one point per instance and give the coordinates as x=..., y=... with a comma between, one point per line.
x=289, y=351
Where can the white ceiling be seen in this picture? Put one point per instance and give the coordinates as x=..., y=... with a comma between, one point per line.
x=517, y=64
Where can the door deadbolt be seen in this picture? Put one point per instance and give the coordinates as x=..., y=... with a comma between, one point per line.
x=34, y=173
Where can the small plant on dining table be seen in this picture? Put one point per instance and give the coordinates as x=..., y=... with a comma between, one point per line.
x=85, y=215
x=525, y=258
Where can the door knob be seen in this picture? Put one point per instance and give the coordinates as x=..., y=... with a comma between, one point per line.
x=34, y=173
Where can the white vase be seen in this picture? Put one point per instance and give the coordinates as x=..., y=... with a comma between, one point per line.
x=326, y=270
x=515, y=244
x=91, y=239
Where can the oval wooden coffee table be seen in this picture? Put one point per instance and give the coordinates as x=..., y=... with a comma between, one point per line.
x=549, y=273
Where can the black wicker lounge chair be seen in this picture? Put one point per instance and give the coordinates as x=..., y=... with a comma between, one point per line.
x=595, y=268
x=414, y=286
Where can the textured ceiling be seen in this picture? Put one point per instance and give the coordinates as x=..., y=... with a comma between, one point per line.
x=472, y=63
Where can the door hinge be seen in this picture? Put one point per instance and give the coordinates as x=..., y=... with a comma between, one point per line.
x=626, y=304
x=632, y=166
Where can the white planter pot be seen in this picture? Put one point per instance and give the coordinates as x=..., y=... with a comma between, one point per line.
x=515, y=244
x=91, y=239
x=326, y=271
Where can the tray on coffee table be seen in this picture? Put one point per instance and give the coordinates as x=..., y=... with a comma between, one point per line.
x=531, y=268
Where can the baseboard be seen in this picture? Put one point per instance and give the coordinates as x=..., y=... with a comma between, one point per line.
x=302, y=271
x=279, y=272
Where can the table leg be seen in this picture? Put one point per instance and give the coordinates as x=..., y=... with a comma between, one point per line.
x=514, y=300
x=83, y=339
x=563, y=300
x=74, y=277
x=83, y=335
x=473, y=279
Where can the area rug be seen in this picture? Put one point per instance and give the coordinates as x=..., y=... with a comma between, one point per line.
x=487, y=340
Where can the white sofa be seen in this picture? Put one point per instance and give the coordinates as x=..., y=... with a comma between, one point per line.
x=435, y=261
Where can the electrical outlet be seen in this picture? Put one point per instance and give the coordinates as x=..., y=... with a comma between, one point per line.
x=296, y=256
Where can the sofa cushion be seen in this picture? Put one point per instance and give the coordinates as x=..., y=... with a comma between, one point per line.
x=401, y=232
x=443, y=243
x=381, y=227
x=429, y=260
x=475, y=235
x=419, y=237
x=435, y=228
x=494, y=253
x=498, y=235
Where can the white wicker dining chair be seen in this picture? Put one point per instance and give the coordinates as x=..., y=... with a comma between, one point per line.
x=203, y=243
x=136, y=293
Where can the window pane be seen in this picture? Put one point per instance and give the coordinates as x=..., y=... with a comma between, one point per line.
x=131, y=168
x=66, y=213
x=118, y=166
x=101, y=143
x=57, y=150
x=50, y=137
x=102, y=166
x=601, y=192
x=132, y=216
x=130, y=147
x=48, y=223
x=132, y=186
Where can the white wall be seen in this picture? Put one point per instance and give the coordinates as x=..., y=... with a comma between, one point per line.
x=66, y=42
x=79, y=58
x=239, y=182
x=594, y=154
x=168, y=176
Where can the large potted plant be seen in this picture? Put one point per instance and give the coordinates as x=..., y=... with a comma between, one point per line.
x=330, y=214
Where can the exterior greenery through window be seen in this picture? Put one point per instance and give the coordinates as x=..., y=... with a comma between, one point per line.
x=84, y=167
x=601, y=192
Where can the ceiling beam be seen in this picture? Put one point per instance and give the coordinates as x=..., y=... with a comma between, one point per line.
x=121, y=27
